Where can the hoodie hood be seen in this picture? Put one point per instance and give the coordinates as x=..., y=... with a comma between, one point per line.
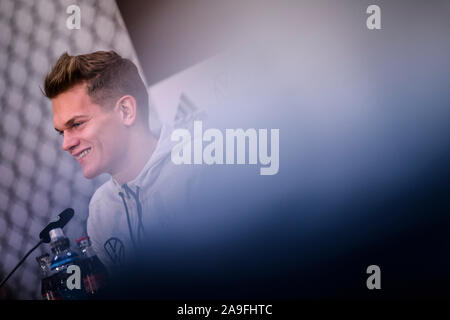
x=161, y=153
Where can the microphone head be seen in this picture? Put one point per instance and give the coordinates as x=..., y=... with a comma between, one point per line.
x=64, y=217
x=61, y=220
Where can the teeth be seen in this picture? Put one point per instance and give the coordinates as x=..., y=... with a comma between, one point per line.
x=85, y=152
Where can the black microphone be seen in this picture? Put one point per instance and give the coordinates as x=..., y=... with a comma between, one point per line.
x=60, y=221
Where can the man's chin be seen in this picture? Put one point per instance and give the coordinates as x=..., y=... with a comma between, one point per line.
x=90, y=174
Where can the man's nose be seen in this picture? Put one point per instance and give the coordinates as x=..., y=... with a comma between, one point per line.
x=70, y=141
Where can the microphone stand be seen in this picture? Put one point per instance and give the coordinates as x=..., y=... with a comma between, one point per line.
x=20, y=262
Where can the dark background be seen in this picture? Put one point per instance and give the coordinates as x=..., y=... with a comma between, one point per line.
x=364, y=151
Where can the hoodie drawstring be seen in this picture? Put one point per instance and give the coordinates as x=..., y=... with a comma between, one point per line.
x=140, y=229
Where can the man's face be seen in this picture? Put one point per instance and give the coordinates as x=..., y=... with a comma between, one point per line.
x=93, y=135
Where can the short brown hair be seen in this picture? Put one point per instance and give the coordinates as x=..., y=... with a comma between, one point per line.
x=108, y=77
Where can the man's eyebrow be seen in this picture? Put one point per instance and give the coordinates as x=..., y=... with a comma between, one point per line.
x=69, y=123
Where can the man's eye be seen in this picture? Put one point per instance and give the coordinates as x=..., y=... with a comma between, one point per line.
x=77, y=124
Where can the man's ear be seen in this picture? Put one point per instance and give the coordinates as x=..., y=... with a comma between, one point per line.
x=126, y=106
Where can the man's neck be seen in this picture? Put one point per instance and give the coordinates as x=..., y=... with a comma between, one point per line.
x=140, y=148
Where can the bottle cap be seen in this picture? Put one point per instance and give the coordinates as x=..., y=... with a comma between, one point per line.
x=56, y=234
x=82, y=238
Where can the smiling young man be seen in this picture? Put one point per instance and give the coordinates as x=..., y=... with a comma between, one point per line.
x=100, y=107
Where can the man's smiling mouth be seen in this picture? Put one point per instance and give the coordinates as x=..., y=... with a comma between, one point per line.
x=83, y=153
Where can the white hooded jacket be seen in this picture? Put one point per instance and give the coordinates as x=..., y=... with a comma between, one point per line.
x=121, y=216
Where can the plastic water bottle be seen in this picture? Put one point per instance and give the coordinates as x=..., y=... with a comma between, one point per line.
x=63, y=258
x=49, y=289
x=94, y=271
